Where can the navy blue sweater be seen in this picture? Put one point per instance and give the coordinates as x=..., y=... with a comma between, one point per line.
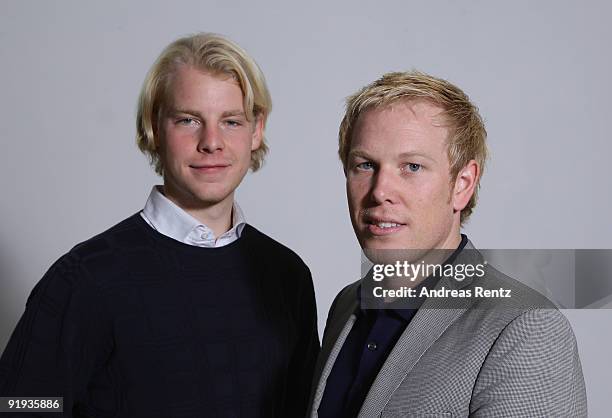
x=132, y=323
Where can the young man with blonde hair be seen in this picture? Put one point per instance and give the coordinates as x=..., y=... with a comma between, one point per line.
x=413, y=149
x=182, y=309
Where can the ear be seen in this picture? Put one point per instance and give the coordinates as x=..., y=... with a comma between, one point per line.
x=258, y=130
x=465, y=184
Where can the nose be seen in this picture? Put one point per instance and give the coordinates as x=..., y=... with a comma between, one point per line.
x=384, y=187
x=210, y=140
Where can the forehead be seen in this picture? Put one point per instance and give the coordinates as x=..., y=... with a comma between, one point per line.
x=407, y=125
x=187, y=83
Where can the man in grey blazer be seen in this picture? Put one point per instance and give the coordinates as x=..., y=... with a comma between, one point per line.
x=413, y=149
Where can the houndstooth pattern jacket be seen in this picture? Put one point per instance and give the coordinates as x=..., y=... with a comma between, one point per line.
x=514, y=357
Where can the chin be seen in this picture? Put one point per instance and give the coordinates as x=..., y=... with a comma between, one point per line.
x=392, y=252
x=367, y=241
x=204, y=198
x=377, y=245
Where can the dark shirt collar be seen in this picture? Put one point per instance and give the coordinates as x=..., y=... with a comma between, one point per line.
x=453, y=256
x=430, y=282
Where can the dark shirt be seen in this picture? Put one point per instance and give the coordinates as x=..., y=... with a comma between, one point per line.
x=369, y=343
x=132, y=323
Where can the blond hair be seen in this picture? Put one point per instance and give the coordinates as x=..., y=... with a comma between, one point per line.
x=467, y=134
x=210, y=53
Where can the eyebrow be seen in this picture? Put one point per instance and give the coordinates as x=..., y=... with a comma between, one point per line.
x=364, y=154
x=227, y=113
x=238, y=113
x=358, y=153
x=415, y=154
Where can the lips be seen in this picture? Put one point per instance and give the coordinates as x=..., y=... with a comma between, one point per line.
x=382, y=225
x=209, y=167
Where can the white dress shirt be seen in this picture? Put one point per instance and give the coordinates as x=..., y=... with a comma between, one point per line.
x=166, y=217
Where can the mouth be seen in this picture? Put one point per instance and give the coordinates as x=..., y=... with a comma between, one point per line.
x=381, y=227
x=209, y=168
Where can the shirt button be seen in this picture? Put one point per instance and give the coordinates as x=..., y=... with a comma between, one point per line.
x=372, y=346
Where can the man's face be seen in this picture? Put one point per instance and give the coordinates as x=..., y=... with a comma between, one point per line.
x=397, y=179
x=205, y=139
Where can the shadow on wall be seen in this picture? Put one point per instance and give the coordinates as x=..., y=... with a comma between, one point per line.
x=13, y=295
x=573, y=279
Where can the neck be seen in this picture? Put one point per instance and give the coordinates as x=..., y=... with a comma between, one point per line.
x=452, y=242
x=216, y=216
x=218, y=219
x=453, y=239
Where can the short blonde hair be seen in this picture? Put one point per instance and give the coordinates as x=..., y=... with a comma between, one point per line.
x=467, y=133
x=206, y=52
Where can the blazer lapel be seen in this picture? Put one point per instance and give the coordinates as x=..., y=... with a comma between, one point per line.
x=333, y=340
x=426, y=327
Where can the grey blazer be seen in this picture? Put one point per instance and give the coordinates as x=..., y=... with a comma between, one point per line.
x=513, y=357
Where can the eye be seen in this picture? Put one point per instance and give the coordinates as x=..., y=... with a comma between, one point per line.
x=365, y=166
x=186, y=121
x=413, y=167
x=233, y=123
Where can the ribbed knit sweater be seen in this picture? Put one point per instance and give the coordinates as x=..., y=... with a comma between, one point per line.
x=132, y=323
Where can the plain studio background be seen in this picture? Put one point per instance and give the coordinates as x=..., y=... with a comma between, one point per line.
x=539, y=72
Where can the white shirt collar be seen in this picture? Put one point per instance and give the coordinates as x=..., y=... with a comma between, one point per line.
x=166, y=217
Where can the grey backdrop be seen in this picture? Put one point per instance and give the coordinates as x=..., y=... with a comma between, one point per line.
x=539, y=71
